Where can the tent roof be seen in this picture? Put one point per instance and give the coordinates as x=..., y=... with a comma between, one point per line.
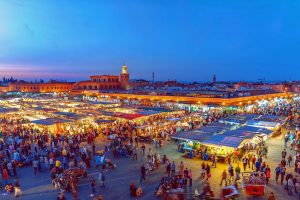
x=50, y=121
x=226, y=141
x=239, y=134
x=7, y=110
x=262, y=124
x=255, y=130
x=130, y=116
x=104, y=121
x=173, y=119
x=69, y=115
x=193, y=135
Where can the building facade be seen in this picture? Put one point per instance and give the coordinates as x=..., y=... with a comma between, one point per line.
x=22, y=86
x=96, y=82
x=105, y=82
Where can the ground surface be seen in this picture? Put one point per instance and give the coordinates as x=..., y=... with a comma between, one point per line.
x=118, y=180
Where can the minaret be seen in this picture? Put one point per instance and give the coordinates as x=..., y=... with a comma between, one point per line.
x=214, y=79
x=124, y=78
x=152, y=77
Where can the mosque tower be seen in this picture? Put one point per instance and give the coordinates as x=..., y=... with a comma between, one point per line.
x=214, y=80
x=124, y=78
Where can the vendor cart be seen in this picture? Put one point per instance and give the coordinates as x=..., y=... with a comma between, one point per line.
x=254, y=183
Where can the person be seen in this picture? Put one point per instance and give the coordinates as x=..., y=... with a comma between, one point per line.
x=290, y=160
x=155, y=143
x=150, y=153
x=132, y=189
x=94, y=149
x=286, y=139
x=283, y=153
x=253, y=160
x=290, y=185
x=51, y=163
x=9, y=188
x=168, y=169
x=268, y=174
x=18, y=191
x=271, y=196
x=277, y=172
x=35, y=165
x=134, y=153
x=103, y=179
x=61, y=196
x=230, y=172
x=224, y=178
x=207, y=171
x=282, y=174
x=136, y=141
x=5, y=175
x=143, y=173
x=244, y=160
x=257, y=165
x=93, y=185
x=100, y=178
x=237, y=173
x=206, y=190
x=190, y=175
x=173, y=167
x=97, y=160
x=143, y=149
x=295, y=182
x=214, y=161
x=181, y=168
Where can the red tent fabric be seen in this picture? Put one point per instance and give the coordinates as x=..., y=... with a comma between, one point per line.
x=131, y=116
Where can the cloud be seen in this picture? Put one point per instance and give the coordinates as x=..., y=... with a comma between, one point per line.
x=37, y=72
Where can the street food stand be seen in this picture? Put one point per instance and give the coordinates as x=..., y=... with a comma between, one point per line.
x=51, y=124
x=254, y=183
x=222, y=146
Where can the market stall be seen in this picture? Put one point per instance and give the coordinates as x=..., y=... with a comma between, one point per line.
x=222, y=145
x=54, y=125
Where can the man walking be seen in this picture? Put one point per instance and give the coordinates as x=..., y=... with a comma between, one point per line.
x=277, y=171
x=143, y=149
x=224, y=178
x=143, y=173
x=93, y=185
x=282, y=174
x=35, y=165
x=244, y=161
x=173, y=169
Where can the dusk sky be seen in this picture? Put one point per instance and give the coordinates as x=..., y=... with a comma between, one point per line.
x=182, y=40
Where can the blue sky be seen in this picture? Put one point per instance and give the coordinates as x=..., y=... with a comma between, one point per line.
x=183, y=40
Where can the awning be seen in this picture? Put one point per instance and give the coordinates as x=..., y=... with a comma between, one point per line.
x=51, y=121
x=224, y=141
x=192, y=135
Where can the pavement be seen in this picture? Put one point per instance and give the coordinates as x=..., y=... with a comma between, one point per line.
x=128, y=171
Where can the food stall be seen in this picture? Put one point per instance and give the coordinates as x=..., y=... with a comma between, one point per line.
x=54, y=125
x=223, y=146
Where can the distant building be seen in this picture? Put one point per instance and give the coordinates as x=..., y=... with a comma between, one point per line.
x=96, y=82
x=22, y=86
x=105, y=82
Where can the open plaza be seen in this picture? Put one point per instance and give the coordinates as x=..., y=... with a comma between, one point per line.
x=100, y=147
x=149, y=100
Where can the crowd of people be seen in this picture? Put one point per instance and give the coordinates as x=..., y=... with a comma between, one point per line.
x=68, y=157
